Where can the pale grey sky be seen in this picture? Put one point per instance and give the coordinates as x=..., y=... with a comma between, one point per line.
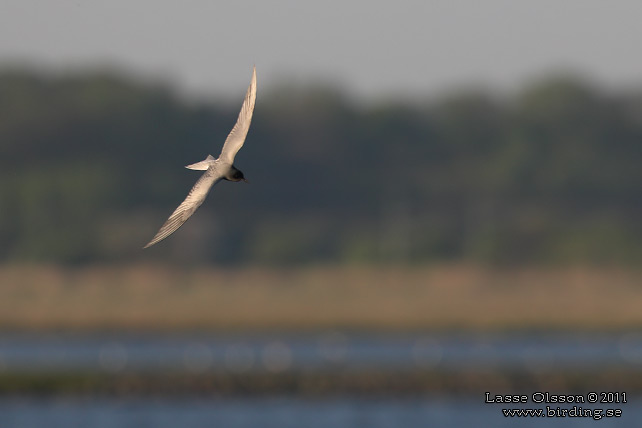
x=373, y=48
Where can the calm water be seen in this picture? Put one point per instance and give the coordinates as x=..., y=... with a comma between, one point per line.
x=283, y=352
x=274, y=352
x=280, y=413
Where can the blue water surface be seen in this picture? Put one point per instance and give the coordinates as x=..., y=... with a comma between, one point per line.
x=200, y=352
x=287, y=412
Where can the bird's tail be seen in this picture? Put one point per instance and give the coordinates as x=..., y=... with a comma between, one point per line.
x=202, y=165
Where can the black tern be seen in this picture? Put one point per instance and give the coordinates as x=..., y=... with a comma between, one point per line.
x=215, y=169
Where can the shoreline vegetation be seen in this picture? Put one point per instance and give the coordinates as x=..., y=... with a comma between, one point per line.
x=311, y=384
x=441, y=297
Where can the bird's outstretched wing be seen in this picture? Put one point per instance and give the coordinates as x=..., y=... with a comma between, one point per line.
x=236, y=138
x=194, y=199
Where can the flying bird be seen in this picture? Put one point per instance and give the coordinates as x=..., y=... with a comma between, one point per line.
x=215, y=169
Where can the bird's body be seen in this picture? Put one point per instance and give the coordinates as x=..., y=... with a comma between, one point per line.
x=216, y=170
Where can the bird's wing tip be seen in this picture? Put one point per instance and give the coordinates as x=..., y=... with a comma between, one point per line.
x=152, y=242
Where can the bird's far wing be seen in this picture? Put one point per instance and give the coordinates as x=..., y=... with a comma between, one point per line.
x=236, y=138
x=193, y=200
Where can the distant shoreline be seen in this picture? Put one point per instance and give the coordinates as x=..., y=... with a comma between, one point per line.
x=443, y=297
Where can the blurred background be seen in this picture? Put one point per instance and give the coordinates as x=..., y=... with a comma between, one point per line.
x=444, y=199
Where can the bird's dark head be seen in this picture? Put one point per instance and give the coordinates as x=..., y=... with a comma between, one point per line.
x=235, y=175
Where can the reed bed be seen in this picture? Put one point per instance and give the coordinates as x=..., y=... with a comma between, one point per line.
x=353, y=297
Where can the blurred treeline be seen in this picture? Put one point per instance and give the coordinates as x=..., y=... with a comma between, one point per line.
x=91, y=165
